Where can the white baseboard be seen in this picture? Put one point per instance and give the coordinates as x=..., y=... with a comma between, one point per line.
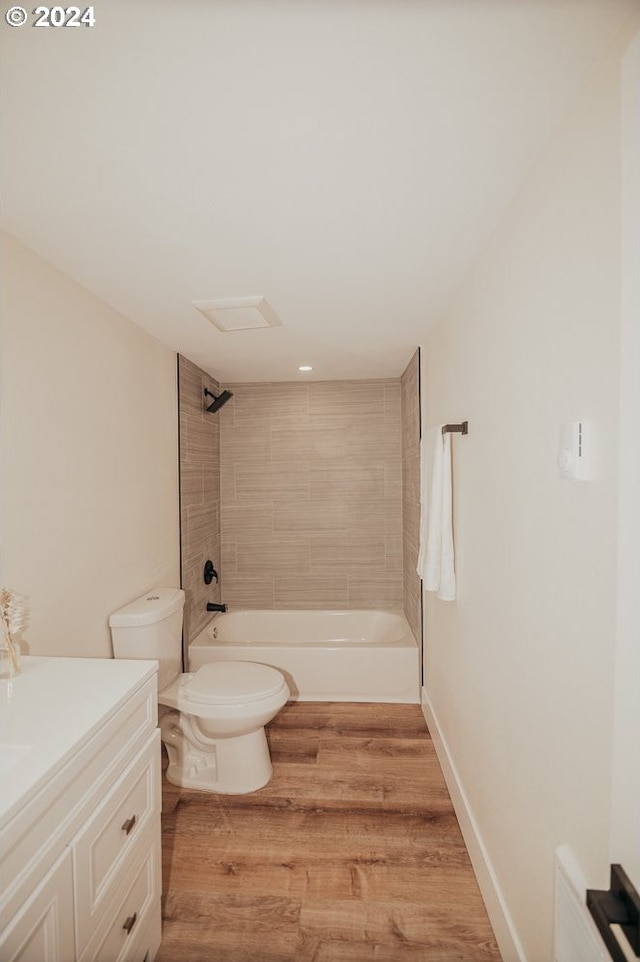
x=503, y=927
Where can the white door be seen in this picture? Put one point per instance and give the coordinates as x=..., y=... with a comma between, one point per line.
x=625, y=813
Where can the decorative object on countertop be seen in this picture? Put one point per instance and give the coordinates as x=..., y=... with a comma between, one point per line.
x=13, y=615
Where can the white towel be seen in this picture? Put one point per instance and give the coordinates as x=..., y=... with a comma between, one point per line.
x=436, y=557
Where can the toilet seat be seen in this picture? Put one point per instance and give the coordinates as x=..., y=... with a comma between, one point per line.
x=225, y=686
x=231, y=682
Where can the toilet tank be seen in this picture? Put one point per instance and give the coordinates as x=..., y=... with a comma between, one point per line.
x=151, y=627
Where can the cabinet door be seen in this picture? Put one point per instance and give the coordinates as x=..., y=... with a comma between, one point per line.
x=43, y=929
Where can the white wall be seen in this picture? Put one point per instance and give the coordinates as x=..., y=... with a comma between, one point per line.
x=520, y=669
x=88, y=468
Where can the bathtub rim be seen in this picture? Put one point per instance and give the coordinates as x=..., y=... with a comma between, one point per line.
x=204, y=638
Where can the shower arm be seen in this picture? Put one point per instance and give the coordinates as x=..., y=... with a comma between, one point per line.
x=218, y=400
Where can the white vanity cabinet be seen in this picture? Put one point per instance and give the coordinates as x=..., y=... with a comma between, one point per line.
x=80, y=802
x=43, y=930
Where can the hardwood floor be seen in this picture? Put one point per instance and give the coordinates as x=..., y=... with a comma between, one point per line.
x=352, y=853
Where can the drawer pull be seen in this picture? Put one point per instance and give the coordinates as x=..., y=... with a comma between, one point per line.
x=130, y=922
x=128, y=825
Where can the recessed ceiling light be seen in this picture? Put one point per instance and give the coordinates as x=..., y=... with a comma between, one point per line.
x=305, y=367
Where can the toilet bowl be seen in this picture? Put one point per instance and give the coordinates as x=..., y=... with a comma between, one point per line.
x=215, y=738
x=212, y=720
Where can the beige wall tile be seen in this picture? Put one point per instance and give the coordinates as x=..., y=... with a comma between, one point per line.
x=347, y=482
x=226, y=414
x=200, y=494
x=227, y=482
x=246, y=523
x=348, y=555
x=267, y=557
x=412, y=604
x=309, y=591
x=381, y=516
x=242, y=591
x=392, y=399
x=191, y=484
x=410, y=406
x=411, y=518
x=354, y=397
x=392, y=480
x=203, y=521
x=211, y=483
x=308, y=520
x=263, y=481
x=191, y=385
x=260, y=402
x=393, y=552
x=245, y=441
x=410, y=561
x=199, y=440
x=381, y=590
x=229, y=557
x=363, y=436
x=308, y=442
x=411, y=477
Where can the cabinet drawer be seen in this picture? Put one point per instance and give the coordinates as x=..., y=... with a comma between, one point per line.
x=146, y=944
x=102, y=848
x=133, y=908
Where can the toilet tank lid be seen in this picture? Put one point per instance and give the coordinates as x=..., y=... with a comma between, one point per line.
x=153, y=606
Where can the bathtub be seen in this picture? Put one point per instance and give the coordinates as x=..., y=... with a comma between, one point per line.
x=324, y=655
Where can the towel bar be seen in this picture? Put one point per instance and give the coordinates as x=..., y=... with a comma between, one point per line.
x=456, y=428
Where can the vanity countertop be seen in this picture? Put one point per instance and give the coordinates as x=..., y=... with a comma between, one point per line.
x=52, y=708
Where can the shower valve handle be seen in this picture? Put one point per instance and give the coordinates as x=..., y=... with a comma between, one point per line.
x=210, y=573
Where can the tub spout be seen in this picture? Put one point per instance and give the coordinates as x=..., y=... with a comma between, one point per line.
x=212, y=606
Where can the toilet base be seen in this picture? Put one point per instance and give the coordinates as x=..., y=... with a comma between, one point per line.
x=228, y=766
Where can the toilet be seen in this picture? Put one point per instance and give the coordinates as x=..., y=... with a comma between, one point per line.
x=212, y=720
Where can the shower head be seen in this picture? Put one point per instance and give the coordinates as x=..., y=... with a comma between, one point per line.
x=218, y=401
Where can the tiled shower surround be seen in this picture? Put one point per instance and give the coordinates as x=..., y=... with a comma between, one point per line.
x=310, y=498
x=412, y=585
x=199, y=494
x=311, y=495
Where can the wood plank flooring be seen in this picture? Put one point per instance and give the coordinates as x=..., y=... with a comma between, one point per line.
x=352, y=853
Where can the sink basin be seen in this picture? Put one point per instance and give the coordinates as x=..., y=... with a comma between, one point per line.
x=10, y=755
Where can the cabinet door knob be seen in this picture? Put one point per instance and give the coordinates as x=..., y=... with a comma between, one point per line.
x=130, y=922
x=128, y=825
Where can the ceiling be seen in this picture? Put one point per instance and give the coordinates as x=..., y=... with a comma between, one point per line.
x=344, y=159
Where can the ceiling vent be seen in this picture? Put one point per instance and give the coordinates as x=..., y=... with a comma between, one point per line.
x=238, y=313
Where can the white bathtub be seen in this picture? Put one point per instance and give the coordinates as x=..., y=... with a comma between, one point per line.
x=324, y=655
